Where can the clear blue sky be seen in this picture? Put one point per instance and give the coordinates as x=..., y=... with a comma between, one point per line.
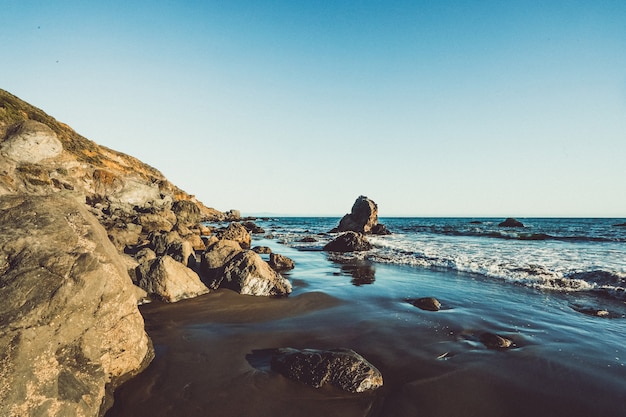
x=430, y=108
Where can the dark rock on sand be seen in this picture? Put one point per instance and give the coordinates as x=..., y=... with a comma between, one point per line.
x=280, y=262
x=69, y=323
x=169, y=280
x=427, y=303
x=362, y=219
x=511, y=222
x=248, y=274
x=349, y=242
x=342, y=368
x=494, y=341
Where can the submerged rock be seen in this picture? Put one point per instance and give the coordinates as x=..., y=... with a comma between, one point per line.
x=362, y=219
x=343, y=368
x=349, y=242
x=511, y=222
x=427, y=303
x=494, y=341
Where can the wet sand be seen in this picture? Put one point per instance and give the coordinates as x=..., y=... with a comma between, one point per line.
x=212, y=358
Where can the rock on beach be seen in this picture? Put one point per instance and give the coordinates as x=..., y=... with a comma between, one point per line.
x=348, y=242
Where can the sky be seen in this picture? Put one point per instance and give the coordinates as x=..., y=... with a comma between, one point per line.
x=430, y=108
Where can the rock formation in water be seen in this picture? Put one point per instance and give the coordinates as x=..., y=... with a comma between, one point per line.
x=511, y=222
x=362, y=219
x=343, y=368
x=348, y=242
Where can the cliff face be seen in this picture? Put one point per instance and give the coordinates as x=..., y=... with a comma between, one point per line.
x=70, y=329
x=39, y=155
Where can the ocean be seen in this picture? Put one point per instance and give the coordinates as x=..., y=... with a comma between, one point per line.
x=556, y=288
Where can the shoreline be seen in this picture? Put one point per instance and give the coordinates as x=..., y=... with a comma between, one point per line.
x=209, y=350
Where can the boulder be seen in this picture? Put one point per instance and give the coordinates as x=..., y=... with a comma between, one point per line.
x=235, y=231
x=31, y=142
x=161, y=221
x=187, y=212
x=348, y=242
x=280, y=262
x=145, y=255
x=232, y=215
x=248, y=274
x=252, y=227
x=182, y=251
x=343, y=368
x=217, y=255
x=362, y=219
x=169, y=280
x=511, y=222
x=70, y=329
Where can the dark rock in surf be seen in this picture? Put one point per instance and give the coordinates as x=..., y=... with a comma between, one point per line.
x=349, y=242
x=511, y=222
x=280, y=262
x=380, y=229
x=620, y=225
x=308, y=239
x=343, y=368
x=362, y=219
x=494, y=341
x=427, y=303
x=252, y=227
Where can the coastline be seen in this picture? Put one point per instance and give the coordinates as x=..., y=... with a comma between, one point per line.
x=212, y=358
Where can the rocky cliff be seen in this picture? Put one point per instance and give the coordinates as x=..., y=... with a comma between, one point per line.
x=70, y=329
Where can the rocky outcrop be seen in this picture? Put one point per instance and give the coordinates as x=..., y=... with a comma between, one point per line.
x=169, y=280
x=362, y=219
x=69, y=323
x=31, y=142
x=348, y=242
x=247, y=273
x=343, y=368
x=511, y=222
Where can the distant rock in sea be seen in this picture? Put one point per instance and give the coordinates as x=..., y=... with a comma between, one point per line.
x=362, y=219
x=511, y=222
x=620, y=225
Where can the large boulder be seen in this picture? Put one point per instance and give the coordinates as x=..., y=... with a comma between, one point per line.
x=169, y=280
x=219, y=254
x=348, y=242
x=31, y=142
x=187, y=212
x=247, y=273
x=69, y=324
x=343, y=368
x=362, y=219
x=237, y=232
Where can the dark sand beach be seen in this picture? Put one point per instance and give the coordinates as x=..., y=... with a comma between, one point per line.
x=212, y=352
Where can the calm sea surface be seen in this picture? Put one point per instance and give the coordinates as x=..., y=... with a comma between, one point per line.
x=554, y=287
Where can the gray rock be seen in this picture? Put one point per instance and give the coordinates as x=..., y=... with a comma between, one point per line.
x=248, y=274
x=348, y=242
x=69, y=323
x=31, y=142
x=343, y=368
x=280, y=262
x=169, y=280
